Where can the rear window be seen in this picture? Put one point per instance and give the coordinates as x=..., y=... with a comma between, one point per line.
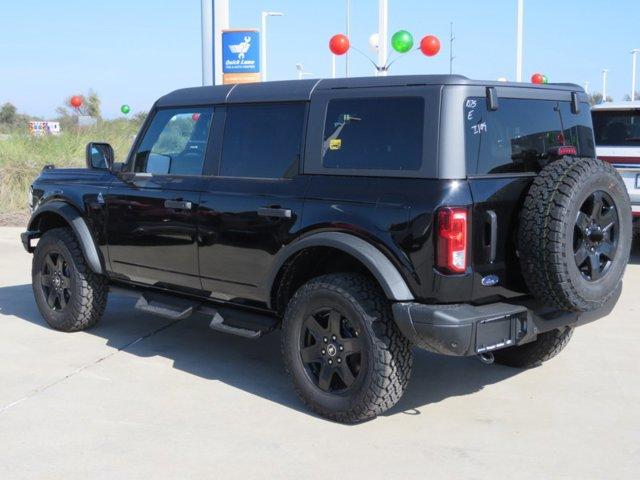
x=374, y=134
x=617, y=128
x=514, y=137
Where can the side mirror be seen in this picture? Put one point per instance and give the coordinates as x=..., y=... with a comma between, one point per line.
x=99, y=156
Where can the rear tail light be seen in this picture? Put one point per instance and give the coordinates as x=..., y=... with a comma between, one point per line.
x=452, y=239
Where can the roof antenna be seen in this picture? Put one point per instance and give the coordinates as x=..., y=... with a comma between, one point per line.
x=451, y=55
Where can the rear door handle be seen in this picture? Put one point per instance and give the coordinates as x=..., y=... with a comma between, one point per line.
x=274, y=212
x=177, y=204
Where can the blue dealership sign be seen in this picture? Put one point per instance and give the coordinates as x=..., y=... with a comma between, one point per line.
x=241, y=55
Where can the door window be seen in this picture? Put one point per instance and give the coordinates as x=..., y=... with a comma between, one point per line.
x=262, y=140
x=175, y=143
x=374, y=134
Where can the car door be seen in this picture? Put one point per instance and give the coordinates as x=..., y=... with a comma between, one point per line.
x=152, y=207
x=253, y=206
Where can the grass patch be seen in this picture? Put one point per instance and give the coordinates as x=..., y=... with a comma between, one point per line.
x=22, y=156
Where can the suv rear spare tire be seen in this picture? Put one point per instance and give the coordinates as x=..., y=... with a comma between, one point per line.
x=575, y=234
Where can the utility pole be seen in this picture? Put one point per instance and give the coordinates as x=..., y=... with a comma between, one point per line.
x=451, y=56
x=604, y=84
x=519, y=40
x=383, y=33
x=634, y=53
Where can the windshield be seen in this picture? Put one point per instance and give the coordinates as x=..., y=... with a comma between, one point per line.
x=619, y=128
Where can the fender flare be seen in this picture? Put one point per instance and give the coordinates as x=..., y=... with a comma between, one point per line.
x=74, y=218
x=387, y=275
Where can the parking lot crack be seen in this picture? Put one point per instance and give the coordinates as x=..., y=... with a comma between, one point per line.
x=46, y=386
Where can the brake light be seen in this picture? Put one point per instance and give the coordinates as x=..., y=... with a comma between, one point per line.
x=452, y=239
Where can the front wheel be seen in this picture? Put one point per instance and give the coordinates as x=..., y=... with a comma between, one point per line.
x=69, y=295
x=346, y=357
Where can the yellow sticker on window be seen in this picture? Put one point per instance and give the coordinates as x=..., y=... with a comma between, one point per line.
x=335, y=144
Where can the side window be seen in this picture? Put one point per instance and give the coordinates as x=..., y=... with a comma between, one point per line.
x=175, y=142
x=515, y=137
x=374, y=134
x=262, y=140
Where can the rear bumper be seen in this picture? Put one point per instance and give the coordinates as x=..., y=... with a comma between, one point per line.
x=466, y=330
x=631, y=176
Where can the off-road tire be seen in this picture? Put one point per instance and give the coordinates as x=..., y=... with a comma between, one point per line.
x=546, y=234
x=386, y=362
x=88, y=290
x=545, y=347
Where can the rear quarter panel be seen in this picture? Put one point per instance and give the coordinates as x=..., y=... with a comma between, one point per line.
x=397, y=216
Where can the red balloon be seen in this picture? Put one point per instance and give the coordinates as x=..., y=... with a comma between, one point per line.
x=430, y=45
x=76, y=101
x=537, y=78
x=339, y=44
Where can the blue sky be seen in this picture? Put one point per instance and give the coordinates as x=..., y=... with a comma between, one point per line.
x=136, y=50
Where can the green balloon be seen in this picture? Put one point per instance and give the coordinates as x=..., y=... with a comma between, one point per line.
x=125, y=109
x=402, y=41
x=545, y=79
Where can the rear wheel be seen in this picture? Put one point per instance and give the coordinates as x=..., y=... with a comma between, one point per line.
x=342, y=349
x=69, y=295
x=545, y=347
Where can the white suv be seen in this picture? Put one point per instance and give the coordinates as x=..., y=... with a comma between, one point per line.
x=617, y=130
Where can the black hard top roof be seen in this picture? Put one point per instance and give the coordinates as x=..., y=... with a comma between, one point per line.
x=299, y=90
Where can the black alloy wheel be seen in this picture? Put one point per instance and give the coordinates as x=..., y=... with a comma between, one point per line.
x=596, y=235
x=56, y=281
x=330, y=350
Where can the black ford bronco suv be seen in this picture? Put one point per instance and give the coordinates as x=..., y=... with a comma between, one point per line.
x=360, y=216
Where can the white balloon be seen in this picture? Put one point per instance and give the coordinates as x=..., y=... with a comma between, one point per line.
x=374, y=41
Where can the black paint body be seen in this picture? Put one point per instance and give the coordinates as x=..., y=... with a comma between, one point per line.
x=223, y=250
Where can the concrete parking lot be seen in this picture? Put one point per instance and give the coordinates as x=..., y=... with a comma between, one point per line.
x=140, y=397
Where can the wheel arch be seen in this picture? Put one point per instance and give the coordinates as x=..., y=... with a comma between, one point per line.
x=352, y=248
x=58, y=213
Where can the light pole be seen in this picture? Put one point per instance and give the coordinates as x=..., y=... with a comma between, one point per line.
x=207, y=41
x=263, y=43
x=215, y=18
x=519, y=40
x=604, y=84
x=383, y=33
x=346, y=57
x=634, y=53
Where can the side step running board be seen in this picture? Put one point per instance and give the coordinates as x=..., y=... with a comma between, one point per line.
x=163, y=310
x=217, y=323
x=234, y=321
x=239, y=322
